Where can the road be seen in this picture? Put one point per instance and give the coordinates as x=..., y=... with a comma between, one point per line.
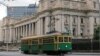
x=21, y=54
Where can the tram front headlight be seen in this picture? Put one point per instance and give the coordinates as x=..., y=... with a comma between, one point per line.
x=66, y=46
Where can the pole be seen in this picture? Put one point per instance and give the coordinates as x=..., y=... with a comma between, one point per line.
x=91, y=45
x=7, y=46
x=7, y=39
x=99, y=21
x=99, y=37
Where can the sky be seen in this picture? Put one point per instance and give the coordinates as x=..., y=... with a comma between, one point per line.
x=14, y=3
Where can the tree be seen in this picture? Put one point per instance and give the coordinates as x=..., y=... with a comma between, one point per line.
x=97, y=33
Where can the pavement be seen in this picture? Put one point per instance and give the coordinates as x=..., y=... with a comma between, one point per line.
x=19, y=53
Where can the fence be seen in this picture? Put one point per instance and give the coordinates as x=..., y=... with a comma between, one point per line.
x=86, y=45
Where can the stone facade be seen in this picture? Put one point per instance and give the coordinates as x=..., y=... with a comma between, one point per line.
x=79, y=17
x=0, y=30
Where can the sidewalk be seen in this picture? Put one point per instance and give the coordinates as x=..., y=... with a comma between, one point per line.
x=85, y=53
x=9, y=49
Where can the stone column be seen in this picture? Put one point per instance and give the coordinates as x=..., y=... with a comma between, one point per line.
x=17, y=33
x=46, y=24
x=71, y=24
x=86, y=27
x=26, y=31
x=58, y=24
x=78, y=27
x=38, y=28
x=91, y=26
x=41, y=26
x=10, y=34
x=34, y=28
x=14, y=35
x=7, y=35
x=23, y=30
x=3, y=34
x=30, y=29
x=62, y=25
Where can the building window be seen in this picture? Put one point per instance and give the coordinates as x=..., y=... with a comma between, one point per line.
x=66, y=20
x=81, y=32
x=74, y=21
x=94, y=4
x=95, y=20
x=66, y=28
x=53, y=23
x=34, y=28
x=82, y=20
x=74, y=31
x=43, y=21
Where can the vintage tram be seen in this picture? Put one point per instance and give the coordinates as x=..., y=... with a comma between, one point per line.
x=49, y=44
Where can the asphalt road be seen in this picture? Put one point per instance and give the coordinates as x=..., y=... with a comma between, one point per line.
x=72, y=54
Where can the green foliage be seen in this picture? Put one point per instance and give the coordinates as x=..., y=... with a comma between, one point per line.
x=97, y=33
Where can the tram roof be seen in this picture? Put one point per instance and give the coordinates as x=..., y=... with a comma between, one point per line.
x=31, y=37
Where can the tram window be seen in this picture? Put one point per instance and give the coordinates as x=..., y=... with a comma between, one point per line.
x=29, y=41
x=44, y=40
x=55, y=39
x=34, y=41
x=24, y=42
x=65, y=39
x=70, y=39
x=48, y=40
x=40, y=40
x=51, y=40
x=60, y=39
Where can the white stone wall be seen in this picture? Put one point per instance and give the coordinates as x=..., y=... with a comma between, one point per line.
x=33, y=25
x=1, y=39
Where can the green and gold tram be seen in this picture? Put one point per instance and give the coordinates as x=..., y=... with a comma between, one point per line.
x=52, y=43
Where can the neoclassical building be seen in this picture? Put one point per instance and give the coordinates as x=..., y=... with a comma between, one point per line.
x=79, y=17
